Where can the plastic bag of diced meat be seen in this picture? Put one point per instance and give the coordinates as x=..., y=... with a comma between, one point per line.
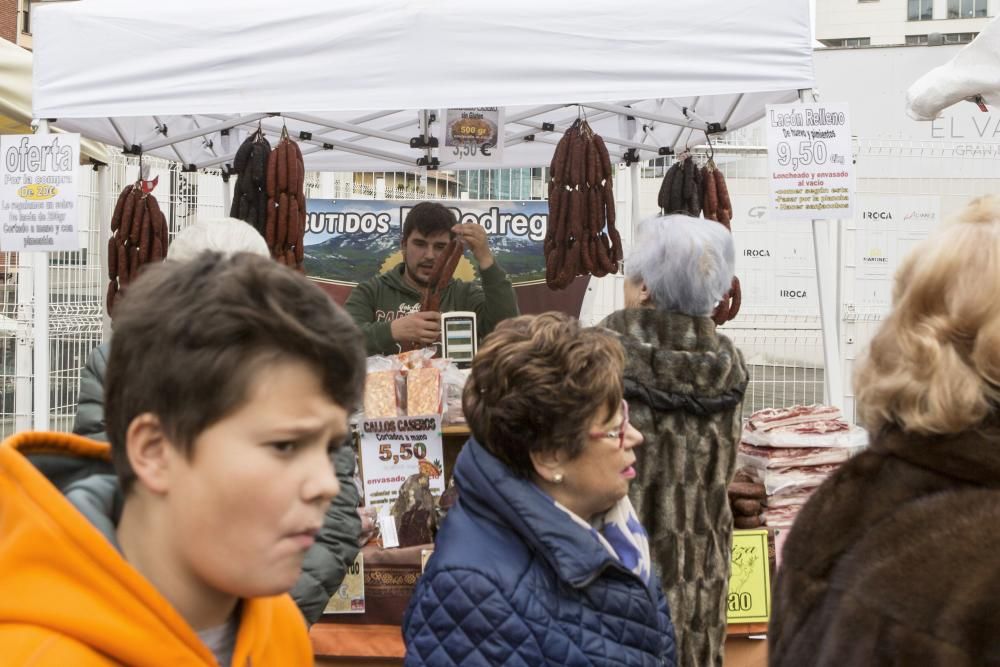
x=786, y=480
x=384, y=385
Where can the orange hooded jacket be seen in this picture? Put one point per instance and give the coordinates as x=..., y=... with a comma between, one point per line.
x=69, y=598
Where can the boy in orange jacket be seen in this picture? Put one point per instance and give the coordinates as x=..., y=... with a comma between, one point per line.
x=229, y=387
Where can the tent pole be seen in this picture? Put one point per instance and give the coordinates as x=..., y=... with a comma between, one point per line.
x=227, y=196
x=40, y=357
x=826, y=245
x=105, y=206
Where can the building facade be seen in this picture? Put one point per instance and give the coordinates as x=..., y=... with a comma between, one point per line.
x=860, y=23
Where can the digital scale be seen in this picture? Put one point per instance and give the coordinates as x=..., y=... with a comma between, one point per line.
x=459, y=337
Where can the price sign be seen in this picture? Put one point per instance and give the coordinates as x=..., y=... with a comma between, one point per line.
x=473, y=134
x=38, y=193
x=749, y=599
x=396, y=448
x=350, y=597
x=810, y=162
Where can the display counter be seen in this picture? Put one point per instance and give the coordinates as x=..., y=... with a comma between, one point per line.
x=372, y=640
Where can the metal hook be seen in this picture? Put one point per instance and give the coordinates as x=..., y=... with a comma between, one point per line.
x=711, y=148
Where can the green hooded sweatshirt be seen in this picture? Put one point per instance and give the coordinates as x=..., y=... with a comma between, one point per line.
x=375, y=303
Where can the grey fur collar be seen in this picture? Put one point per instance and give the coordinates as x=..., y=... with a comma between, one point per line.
x=678, y=354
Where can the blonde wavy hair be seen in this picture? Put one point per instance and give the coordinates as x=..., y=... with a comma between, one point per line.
x=934, y=366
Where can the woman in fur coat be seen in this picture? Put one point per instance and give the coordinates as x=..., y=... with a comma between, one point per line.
x=894, y=559
x=684, y=383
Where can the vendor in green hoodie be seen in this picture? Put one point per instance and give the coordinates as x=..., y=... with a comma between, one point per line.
x=387, y=307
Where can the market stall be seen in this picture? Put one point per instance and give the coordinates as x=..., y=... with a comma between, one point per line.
x=361, y=86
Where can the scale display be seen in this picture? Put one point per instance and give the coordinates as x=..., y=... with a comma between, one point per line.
x=459, y=339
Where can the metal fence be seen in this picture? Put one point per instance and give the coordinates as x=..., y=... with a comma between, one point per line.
x=783, y=347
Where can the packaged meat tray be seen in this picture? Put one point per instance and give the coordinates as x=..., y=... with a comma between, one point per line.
x=791, y=457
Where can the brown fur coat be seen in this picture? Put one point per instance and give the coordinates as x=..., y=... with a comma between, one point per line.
x=684, y=383
x=895, y=560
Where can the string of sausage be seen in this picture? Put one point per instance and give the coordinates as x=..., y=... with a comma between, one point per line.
x=581, y=238
x=138, y=237
x=285, y=217
x=441, y=275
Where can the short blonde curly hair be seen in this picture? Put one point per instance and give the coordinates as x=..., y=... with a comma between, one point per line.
x=934, y=366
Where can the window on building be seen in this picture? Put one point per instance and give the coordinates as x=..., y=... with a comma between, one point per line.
x=847, y=42
x=26, y=16
x=958, y=37
x=966, y=9
x=916, y=40
x=919, y=10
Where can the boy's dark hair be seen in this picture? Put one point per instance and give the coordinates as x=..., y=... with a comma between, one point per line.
x=428, y=218
x=191, y=337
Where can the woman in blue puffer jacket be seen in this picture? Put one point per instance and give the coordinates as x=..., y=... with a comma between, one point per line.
x=543, y=561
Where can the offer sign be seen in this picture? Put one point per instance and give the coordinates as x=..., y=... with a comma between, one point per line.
x=394, y=449
x=474, y=134
x=350, y=596
x=38, y=192
x=810, y=162
x=749, y=599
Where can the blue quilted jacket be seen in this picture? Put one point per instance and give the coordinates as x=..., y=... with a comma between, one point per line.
x=513, y=581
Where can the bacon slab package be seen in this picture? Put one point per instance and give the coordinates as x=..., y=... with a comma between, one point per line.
x=790, y=452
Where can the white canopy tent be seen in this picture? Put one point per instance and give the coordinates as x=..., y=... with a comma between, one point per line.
x=364, y=80
x=356, y=75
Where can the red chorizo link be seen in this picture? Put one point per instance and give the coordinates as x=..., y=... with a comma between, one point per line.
x=590, y=213
x=112, y=258
x=593, y=163
x=282, y=166
x=272, y=174
x=133, y=262
x=694, y=200
x=723, y=192
x=291, y=148
x=128, y=212
x=602, y=247
x=109, y=299
x=558, y=165
x=438, y=267
x=271, y=224
x=156, y=252
x=138, y=213
x=609, y=204
x=737, y=293
x=300, y=188
x=116, y=216
x=666, y=186
x=578, y=161
x=449, y=268
x=123, y=273
x=721, y=313
x=145, y=232
x=603, y=158
x=293, y=222
x=724, y=218
x=710, y=195
x=281, y=235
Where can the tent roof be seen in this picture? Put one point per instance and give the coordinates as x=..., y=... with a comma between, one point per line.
x=357, y=74
x=15, y=97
